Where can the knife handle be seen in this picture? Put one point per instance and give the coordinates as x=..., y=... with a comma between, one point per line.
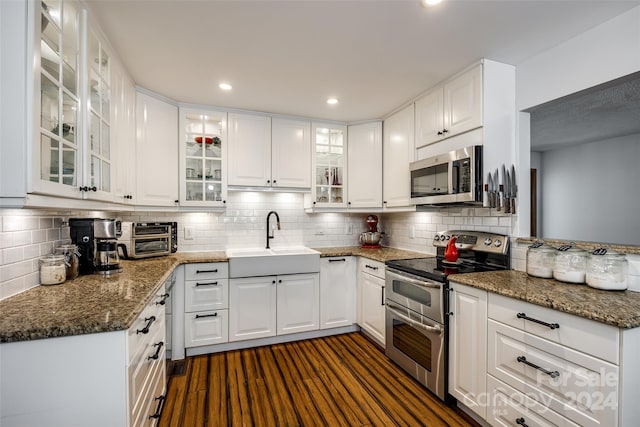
x=498, y=199
x=513, y=206
x=507, y=205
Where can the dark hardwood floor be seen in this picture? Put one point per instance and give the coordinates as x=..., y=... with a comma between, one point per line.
x=344, y=380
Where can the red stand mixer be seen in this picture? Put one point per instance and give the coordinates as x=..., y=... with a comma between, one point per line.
x=371, y=239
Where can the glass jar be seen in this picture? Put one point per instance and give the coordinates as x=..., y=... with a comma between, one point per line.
x=71, y=259
x=53, y=270
x=607, y=270
x=570, y=264
x=540, y=259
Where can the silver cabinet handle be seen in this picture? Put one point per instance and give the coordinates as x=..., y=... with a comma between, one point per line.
x=434, y=329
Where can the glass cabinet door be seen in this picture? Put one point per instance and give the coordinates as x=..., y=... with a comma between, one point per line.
x=59, y=97
x=330, y=165
x=203, y=139
x=98, y=63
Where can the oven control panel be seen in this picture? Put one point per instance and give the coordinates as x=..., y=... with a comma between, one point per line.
x=473, y=240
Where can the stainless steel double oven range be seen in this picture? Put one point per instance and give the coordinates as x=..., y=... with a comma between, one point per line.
x=417, y=302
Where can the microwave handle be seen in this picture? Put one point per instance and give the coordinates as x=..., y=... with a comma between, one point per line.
x=454, y=176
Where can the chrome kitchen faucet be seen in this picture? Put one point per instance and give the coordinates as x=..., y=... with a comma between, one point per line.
x=277, y=222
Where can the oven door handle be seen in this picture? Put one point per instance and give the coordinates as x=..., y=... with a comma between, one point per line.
x=434, y=329
x=425, y=283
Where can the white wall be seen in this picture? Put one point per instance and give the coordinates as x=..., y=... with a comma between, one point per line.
x=606, y=52
x=591, y=192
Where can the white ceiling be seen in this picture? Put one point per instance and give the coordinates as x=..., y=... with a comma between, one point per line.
x=287, y=57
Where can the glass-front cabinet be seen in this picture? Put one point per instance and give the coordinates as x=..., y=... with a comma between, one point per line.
x=72, y=108
x=203, y=174
x=59, y=107
x=329, y=165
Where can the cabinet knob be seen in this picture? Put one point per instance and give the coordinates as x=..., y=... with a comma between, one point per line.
x=274, y=181
x=440, y=133
x=94, y=188
x=349, y=203
x=444, y=131
x=224, y=201
x=268, y=181
x=314, y=203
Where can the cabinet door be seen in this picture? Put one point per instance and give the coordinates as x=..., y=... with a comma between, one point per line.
x=291, y=153
x=203, y=142
x=429, y=118
x=337, y=292
x=123, y=105
x=365, y=165
x=298, y=303
x=372, y=305
x=206, y=328
x=252, y=308
x=249, y=150
x=157, y=151
x=329, y=166
x=397, y=151
x=468, y=347
x=463, y=102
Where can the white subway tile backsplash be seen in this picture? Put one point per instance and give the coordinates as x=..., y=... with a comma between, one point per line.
x=12, y=255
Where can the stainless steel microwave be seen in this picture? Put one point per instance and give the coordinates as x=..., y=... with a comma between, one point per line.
x=453, y=177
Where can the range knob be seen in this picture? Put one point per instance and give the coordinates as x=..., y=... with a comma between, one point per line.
x=497, y=244
x=487, y=241
x=448, y=237
x=436, y=238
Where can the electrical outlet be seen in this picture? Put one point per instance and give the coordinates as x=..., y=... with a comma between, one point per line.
x=188, y=233
x=412, y=232
x=348, y=229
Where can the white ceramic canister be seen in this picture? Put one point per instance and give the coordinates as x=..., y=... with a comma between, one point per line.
x=607, y=270
x=53, y=270
x=540, y=258
x=570, y=264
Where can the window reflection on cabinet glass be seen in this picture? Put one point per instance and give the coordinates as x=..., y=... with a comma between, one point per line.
x=213, y=192
x=68, y=165
x=106, y=176
x=51, y=10
x=49, y=108
x=194, y=191
x=104, y=98
x=105, y=142
x=70, y=43
x=49, y=162
x=69, y=118
x=94, y=132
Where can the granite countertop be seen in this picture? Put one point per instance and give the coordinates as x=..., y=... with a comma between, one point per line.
x=617, y=308
x=383, y=254
x=94, y=303
x=91, y=303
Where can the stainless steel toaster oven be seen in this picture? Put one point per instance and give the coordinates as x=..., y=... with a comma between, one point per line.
x=147, y=239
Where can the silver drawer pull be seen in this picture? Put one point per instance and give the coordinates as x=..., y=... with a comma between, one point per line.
x=539, y=322
x=207, y=284
x=145, y=330
x=521, y=422
x=434, y=329
x=552, y=374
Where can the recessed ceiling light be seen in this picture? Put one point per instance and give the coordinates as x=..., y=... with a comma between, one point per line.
x=225, y=86
x=430, y=2
x=332, y=101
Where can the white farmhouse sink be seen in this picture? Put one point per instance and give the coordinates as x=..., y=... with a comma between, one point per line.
x=270, y=262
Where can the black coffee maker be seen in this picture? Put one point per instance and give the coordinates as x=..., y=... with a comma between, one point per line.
x=97, y=243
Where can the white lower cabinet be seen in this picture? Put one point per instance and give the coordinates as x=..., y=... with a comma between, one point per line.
x=371, y=317
x=468, y=347
x=206, y=302
x=266, y=306
x=100, y=380
x=337, y=292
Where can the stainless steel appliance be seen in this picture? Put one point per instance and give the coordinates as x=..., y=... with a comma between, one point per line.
x=454, y=177
x=371, y=239
x=417, y=303
x=96, y=240
x=147, y=239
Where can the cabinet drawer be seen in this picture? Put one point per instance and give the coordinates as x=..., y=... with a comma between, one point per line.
x=375, y=268
x=141, y=373
x=146, y=326
x=206, y=328
x=152, y=396
x=206, y=271
x=211, y=294
x=578, y=386
x=510, y=408
x=582, y=334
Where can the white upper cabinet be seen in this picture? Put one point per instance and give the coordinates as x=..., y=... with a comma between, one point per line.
x=365, y=165
x=249, y=150
x=397, y=153
x=157, y=151
x=203, y=165
x=290, y=153
x=123, y=112
x=329, y=164
x=265, y=152
x=451, y=109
